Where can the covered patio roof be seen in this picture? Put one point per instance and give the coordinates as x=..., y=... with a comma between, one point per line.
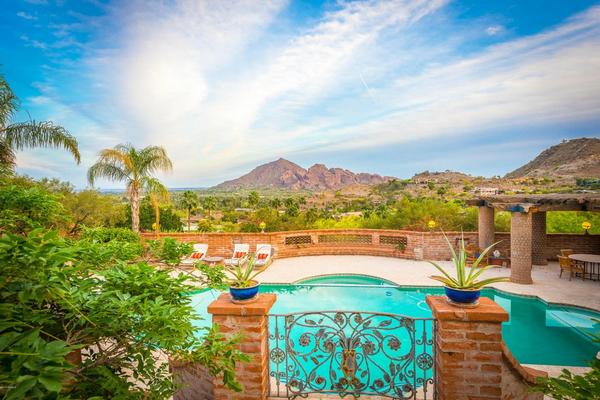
x=540, y=202
x=528, y=224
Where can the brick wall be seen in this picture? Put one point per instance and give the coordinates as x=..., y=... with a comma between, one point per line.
x=194, y=380
x=426, y=245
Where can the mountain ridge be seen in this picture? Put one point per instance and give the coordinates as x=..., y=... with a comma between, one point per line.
x=284, y=174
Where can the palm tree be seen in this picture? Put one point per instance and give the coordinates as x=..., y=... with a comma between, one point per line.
x=209, y=204
x=189, y=202
x=125, y=163
x=157, y=194
x=20, y=135
x=253, y=199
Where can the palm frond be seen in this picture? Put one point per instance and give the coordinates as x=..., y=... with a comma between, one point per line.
x=111, y=172
x=40, y=134
x=152, y=159
x=8, y=103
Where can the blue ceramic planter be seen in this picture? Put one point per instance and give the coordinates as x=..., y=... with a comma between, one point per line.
x=246, y=293
x=462, y=296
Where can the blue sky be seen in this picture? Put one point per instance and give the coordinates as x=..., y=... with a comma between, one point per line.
x=392, y=87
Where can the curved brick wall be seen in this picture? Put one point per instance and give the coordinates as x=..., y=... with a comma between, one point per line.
x=375, y=242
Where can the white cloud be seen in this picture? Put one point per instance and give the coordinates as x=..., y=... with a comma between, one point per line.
x=494, y=29
x=24, y=15
x=223, y=85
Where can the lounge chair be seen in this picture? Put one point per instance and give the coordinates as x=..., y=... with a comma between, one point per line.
x=264, y=253
x=240, y=251
x=198, y=254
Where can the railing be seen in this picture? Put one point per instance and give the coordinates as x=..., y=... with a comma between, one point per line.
x=351, y=353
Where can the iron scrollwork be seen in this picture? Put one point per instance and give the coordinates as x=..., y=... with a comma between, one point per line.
x=352, y=353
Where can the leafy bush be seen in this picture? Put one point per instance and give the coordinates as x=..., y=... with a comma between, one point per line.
x=25, y=208
x=104, y=235
x=169, y=250
x=119, y=319
x=569, y=386
x=205, y=226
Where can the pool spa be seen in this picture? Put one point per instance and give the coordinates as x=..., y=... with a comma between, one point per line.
x=537, y=332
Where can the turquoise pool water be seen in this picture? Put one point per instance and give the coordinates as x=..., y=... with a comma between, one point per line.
x=537, y=332
x=354, y=279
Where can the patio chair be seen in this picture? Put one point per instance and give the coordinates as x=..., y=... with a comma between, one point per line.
x=240, y=251
x=473, y=252
x=572, y=266
x=264, y=253
x=566, y=252
x=198, y=254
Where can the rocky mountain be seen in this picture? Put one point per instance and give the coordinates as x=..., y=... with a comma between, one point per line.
x=285, y=174
x=577, y=158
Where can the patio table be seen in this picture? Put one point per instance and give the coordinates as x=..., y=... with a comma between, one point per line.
x=591, y=264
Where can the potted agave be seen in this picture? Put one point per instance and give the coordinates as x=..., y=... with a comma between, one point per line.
x=465, y=289
x=242, y=285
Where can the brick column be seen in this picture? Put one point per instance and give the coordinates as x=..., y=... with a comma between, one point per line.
x=538, y=246
x=472, y=361
x=521, y=232
x=252, y=321
x=486, y=227
x=468, y=349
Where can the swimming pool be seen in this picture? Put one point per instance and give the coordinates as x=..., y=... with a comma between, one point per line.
x=537, y=332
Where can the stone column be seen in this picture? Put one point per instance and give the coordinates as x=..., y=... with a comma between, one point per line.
x=538, y=250
x=521, y=233
x=472, y=361
x=252, y=321
x=486, y=226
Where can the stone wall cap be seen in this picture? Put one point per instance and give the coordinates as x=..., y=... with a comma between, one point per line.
x=488, y=311
x=224, y=306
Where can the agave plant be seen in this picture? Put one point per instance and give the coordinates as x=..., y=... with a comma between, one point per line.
x=465, y=280
x=243, y=273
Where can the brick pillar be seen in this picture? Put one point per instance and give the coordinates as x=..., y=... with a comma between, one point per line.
x=472, y=361
x=521, y=232
x=486, y=227
x=468, y=349
x=252, y=321
x=538, y=249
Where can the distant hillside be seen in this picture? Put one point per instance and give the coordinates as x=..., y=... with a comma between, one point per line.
x=285, y=174
x=577, y=158
x=443, y=176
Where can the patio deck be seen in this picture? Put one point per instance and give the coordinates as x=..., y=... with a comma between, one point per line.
x=546, y=283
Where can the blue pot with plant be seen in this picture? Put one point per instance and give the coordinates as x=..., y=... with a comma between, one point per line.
x=242, y=285
x=464, y=289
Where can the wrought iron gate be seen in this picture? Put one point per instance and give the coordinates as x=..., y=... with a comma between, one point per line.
x=351, y=353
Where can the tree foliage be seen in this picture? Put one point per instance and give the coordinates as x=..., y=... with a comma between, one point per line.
x=119, y=318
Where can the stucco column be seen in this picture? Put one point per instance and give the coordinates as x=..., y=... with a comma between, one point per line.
x=538, y=250
x=486, y=226
x=521, y=232
x=251, y=320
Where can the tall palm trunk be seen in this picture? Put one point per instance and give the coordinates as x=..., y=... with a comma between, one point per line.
x=189, y=219
x=135, y=208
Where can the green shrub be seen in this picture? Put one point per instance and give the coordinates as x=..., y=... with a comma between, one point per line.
x=169, y=250
x=104, y=235
x=51, y=305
